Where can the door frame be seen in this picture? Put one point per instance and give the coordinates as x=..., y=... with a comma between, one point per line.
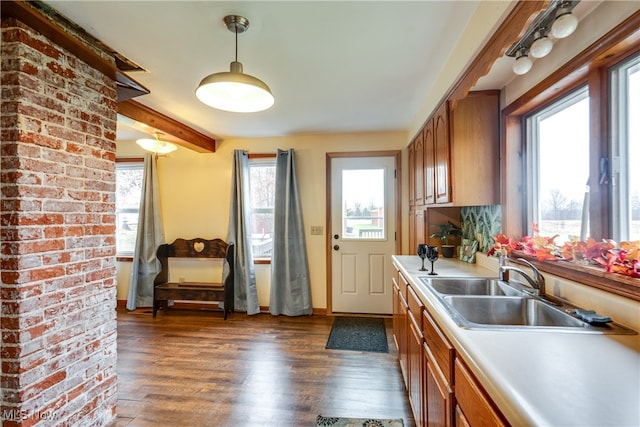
x=397, y=155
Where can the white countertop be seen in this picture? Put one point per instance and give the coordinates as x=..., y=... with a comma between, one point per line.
x=542, y=378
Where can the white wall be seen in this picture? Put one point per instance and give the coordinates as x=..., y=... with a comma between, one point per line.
x=195, y=191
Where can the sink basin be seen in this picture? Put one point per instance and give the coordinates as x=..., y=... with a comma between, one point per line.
x=469, y=286
x=515, y=311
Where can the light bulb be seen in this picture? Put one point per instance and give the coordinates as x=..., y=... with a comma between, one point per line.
x=522, y=65
x=541, y=47
x=565, y=24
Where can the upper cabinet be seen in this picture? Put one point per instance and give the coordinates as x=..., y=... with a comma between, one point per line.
x=475, y=150
x=454, y=159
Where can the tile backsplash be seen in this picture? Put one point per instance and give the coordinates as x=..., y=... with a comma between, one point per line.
x=481, y=223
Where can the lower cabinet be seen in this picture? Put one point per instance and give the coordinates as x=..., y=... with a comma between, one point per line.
x=442, y=390
x=473, y=406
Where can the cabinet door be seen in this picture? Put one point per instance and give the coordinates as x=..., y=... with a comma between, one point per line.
x=397, y=323
x=442, y=154
x=474, y=139
x=417, y=229
x=415, y=369
x=412, y=174
x=475, y=405
x=402, y=338
x=429, y=164
x=438, y=395
x=418, y=184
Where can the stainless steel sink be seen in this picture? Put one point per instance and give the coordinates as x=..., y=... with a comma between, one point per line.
x=515, y=311
x=469, y=286
x=490, y=303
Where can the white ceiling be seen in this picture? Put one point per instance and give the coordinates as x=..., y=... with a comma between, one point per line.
x=333, y=66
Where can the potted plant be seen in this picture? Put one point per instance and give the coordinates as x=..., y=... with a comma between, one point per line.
x=443, y=234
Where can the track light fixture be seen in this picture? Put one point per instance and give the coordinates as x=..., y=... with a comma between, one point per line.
x=235, y=91
x=557, y=21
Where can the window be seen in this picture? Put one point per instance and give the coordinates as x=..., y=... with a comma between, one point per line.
x=129, y=177
x=558, y=159
x=262, y=177
x=625, y=149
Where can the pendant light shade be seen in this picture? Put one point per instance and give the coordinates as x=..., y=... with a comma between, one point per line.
x=541, y=46
x=523, y=63
x=565, y=23
x=235, y=91
x=156, y=145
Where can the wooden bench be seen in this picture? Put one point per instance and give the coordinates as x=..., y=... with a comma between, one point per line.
x=163, y=290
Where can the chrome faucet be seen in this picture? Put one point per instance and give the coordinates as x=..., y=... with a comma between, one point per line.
x=536, y=282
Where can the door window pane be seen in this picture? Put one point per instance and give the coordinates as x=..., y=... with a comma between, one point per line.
x=363, y=215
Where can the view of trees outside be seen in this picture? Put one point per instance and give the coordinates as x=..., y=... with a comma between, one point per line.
x=363, y=203
x=563, y=170
x=262, y=175
x=128, y=191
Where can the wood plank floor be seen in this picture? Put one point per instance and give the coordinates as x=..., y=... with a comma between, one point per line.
x=191, y=368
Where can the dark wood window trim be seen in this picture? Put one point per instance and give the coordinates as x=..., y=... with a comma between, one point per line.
x=588, y=67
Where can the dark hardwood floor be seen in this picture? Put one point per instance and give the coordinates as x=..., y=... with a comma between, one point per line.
x=192, y=368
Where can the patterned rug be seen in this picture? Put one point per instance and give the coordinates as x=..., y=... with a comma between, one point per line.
x=357, y=422
x=358, y=334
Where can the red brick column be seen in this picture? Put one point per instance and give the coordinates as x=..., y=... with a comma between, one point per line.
x=57, y=278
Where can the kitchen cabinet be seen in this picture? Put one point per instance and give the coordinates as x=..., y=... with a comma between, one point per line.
x=438, y=374
x=441, y=152
x=473, y=406
x=400, y=313
x=414, y=350
x=454, y=159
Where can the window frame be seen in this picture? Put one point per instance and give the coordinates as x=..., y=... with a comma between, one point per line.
x=590, y=67
x=258, y=157
x=125, y=256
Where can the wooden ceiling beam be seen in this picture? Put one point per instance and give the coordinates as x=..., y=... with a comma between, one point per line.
x=187, y=137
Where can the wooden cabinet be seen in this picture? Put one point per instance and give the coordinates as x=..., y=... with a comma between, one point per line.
x=441, y=145
x=475, y=132
x=418, y=189
x=438, y=374
x=400, y=317
x=429, y=164
x=473, y=405
x=412, y=173
x=438, y=395
x=414, y=350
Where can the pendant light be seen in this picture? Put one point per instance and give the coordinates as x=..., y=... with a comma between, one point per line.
x=235, y=91
x=156, y=145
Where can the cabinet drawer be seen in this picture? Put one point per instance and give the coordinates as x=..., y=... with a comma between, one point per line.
x=403, y=284
x=415, y=306
x=474, y=403
x=442, y=350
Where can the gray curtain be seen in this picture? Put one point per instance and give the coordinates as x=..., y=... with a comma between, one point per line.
x=239, y=233
x=290, y=284
x=150, y=235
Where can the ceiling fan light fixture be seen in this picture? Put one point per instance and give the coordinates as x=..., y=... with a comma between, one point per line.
x=156, y=145
x=235, y=91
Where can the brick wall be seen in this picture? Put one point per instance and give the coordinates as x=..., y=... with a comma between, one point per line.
x=57, y=288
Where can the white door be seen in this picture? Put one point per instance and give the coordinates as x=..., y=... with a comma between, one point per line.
x=363, y=234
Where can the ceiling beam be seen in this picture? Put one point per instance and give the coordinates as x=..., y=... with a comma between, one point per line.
x=187, y=137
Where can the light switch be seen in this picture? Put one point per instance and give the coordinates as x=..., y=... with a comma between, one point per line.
x=316, y=230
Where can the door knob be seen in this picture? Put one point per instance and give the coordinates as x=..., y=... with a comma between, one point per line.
x=336, y=247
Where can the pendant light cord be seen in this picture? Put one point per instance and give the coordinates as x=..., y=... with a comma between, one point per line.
x=236, y=27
